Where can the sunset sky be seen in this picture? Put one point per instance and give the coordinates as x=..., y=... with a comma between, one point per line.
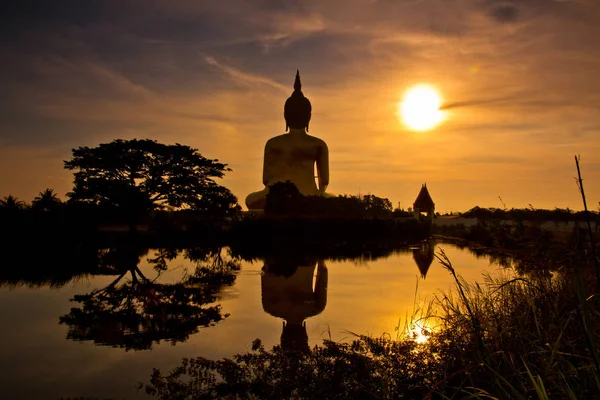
x=520, y=80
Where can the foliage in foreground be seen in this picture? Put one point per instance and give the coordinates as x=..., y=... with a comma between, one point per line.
x=360, y=370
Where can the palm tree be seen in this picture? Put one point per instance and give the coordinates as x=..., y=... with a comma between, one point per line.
x=11, y=203
x=46, y=200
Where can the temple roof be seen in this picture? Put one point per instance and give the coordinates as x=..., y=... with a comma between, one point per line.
x=424, y=200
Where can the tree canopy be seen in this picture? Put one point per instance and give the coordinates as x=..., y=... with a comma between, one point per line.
x=12, y=203
x=143, y=174
x=46, y=201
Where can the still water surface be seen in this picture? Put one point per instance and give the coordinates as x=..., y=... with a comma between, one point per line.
x=274, y=299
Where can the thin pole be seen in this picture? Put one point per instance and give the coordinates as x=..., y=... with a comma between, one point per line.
x=587, y=219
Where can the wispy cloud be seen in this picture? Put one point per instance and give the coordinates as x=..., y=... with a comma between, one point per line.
x=245, y=77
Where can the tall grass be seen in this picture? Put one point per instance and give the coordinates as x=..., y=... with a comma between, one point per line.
x=534, y=336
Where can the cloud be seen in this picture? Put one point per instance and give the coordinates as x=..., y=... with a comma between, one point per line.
x=287, y=28
x=244, y=77
x=504, y=12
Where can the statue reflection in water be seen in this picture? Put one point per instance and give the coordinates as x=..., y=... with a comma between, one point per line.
x=294, y=288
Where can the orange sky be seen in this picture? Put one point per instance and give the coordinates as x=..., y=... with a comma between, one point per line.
x=521, y=74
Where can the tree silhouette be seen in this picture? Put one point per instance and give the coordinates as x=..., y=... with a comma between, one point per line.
x=11, y=203
x=134, y=313
x=376, y=206
x=46, y=200
x=146, y=175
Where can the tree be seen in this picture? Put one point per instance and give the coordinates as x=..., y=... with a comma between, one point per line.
x=377, y=206
x=46, y=201
x=11, y=203
x=146, y=175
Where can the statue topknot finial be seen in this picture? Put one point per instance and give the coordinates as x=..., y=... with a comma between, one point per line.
x=297, y=83
x=297, y=108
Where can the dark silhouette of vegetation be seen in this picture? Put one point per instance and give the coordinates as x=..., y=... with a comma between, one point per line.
x=46, y=201
x=527, y=247
x=285, y=199
x=146, y=175
x=12, y=204
x=361, y=370
x=401, y=213
x=324, y=236
x=557, y=215
x=135, y=313
x=45, y=260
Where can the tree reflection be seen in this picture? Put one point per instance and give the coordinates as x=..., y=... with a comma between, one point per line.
x=134, y=312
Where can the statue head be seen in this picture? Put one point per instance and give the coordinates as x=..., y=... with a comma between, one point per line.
x=297, y=108
x=294, y=337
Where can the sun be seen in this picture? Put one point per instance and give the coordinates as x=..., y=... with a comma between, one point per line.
x=420, y=108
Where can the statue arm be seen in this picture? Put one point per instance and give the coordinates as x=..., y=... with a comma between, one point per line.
x=323, y=167
x=321, y=286
x=267, y=174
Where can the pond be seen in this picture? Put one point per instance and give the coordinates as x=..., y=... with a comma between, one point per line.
x=99, y=332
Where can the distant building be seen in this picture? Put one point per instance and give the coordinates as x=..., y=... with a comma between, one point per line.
x=424, y=204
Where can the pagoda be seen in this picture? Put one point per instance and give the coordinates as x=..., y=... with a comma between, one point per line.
x=424, y=204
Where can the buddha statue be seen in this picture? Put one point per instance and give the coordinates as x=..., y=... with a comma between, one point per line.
x=292, y=156
x=288, y=293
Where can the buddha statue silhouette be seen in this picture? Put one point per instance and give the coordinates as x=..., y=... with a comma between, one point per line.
x=292, y=156
x=288, y=292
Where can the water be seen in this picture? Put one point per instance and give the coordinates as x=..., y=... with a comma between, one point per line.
x=88, y=355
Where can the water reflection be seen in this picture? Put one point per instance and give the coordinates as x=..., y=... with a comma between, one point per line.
x=294, y=286
x=423, y=256
x=121, y=296
x=291, y=289
x=133, y=311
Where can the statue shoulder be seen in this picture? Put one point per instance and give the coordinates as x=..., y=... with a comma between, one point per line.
x=274, y=140
x=319, y=142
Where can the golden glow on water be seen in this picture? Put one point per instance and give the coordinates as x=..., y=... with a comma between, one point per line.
x=365, y=298
x=420, y=108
